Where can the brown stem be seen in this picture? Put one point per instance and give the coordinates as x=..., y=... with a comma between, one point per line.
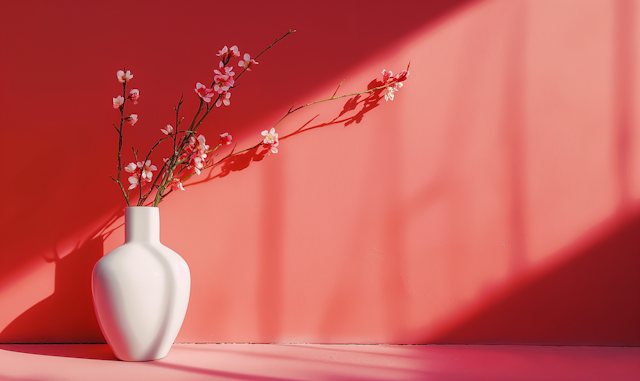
x=337, y=88
x=176, y=153
x=124, y=193
x=223, y=159
x=158, y=175
x=332, y=98
x=291, y=31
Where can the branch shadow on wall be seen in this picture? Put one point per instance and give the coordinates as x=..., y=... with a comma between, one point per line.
x=73, y=196
x=68, y=206
x=67, y=315
x=270, y=287
x=352, y=112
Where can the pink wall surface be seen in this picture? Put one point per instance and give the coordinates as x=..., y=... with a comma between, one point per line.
x=495, y=200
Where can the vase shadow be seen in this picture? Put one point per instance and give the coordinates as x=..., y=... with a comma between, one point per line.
x=66, y=315
x=80, y=351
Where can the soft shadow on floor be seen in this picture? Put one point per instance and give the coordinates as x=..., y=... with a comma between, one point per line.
x=81, y=351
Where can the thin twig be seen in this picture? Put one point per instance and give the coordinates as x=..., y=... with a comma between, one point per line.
x=335, y=92
x=124, y=93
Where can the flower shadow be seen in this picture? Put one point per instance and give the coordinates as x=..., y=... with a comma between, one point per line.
x=353, y=111
x=365, y=103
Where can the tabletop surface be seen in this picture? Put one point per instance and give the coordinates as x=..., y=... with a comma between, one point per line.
x=270, y=362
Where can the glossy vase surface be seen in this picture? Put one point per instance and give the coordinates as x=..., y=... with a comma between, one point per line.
x=141, y=290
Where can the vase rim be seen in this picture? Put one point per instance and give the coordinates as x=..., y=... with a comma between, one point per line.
x=138, y=206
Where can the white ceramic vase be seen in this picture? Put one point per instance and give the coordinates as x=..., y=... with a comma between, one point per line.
x=141, y=290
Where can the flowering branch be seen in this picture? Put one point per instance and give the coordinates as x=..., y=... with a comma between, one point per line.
x=392, y=84
x=118, y=102
x=191, y=153
x=393, y=81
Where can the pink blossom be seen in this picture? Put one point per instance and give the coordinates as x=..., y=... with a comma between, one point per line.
x=167, y=130
x=132, y=119
x=224, y=99
x=225, y=138
x=140, y=172
x=118, y=102
x=176, y=184
x=203, y=92
x=133, y=180
x=147, y=169
x=201, y=155
x=247, y=62
x=388, y=96
x=202, y=146
x=198, y=164
x=228, y=70
x=134, y=95
x=272, y=147
x=222, y=51
x=223, y=81
x=270, y=137
x=196, y=153
x=394, y=83
x=131, y=167
x=387, y=76
x=124, y=77
x=226, y=54
x=188, y=149
x=271, y=140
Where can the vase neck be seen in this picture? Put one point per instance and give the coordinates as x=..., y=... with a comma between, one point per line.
x=142, y=223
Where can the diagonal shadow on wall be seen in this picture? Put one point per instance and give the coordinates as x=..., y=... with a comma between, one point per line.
x=49, y=319
x=589, y=300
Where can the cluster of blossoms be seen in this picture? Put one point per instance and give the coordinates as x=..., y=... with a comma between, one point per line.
x=195, y=153
x=140, y=172
x=225, y=138
x=191, y=154
x=223, y=80
x=134, y=95
x=393, y=82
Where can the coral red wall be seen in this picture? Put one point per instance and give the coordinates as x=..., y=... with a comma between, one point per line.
x=495, y=200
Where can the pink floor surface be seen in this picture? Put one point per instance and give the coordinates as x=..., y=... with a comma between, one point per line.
x=270, y=362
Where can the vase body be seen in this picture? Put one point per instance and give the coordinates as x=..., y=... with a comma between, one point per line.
x=141, y=290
